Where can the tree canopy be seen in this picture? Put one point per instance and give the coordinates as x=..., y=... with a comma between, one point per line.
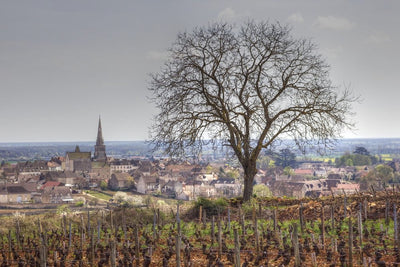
x=248, y=86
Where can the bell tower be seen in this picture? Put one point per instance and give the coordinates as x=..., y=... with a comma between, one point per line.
x=100, y=148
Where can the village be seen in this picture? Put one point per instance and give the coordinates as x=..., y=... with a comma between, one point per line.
x=58, y=179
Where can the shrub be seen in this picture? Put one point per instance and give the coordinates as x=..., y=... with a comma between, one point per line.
x=212, y=207
x=79, y=204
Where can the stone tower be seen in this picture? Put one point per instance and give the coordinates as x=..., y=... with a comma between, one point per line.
x=100, y=148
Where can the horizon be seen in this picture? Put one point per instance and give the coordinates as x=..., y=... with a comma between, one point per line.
x=144, y=141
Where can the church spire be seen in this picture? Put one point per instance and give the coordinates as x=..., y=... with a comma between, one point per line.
x=100, y=148
x=99, y=140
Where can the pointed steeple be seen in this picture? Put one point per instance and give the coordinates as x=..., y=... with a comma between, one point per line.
x=100, y=148
x=99, y=140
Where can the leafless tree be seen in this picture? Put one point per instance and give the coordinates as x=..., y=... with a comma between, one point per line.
x=248, y=86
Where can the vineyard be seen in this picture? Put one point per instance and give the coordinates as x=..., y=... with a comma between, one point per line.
x=356, y=230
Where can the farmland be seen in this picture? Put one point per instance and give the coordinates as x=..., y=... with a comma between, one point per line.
x=356, y=230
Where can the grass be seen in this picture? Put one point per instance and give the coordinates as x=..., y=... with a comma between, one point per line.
x=99, y=195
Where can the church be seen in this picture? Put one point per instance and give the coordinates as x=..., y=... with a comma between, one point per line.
x=97, y=168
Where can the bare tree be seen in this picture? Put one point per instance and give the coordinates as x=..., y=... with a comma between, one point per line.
x=249, y=87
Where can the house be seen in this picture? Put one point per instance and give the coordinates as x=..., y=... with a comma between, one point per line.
x=147, y=184
x=287, y=188
x=227, y=187
x=171, y=189
x=14, y=193
x=50, y=184
x=346, y=188
x=56, y=194
x=299, y=189
x=10, y=173
x=120, y=181
x=123, y=165
x=56, y=164
x=31, y=169
x=100, y=171
x=65, y=177
x=304, y=172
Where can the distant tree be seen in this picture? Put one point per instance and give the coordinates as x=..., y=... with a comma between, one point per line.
x=285, y=158
x=288, y=171
x=384, y=173
x=355, y=160
x=349, y=162
x=361, y=151
x=103, y=185
x=247, y=88
x=261, y=190
x=264, y=162
x=380, y=175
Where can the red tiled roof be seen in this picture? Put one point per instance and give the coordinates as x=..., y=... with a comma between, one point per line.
x=303, y=171
x=348, y=186
x=50, y=184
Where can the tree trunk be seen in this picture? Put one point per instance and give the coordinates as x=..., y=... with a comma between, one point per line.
x=249, y=174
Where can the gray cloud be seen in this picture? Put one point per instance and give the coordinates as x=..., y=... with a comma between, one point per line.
x=62, y=63
x=228, y=14
x=334, y=23
x=296, y=18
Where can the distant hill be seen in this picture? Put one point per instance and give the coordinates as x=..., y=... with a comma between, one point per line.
x=44, y=150
x=127, y=149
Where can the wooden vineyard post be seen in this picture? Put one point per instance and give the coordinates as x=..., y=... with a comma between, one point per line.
x=229, y=218
x=65, y=225
x=242, y=223
x=17, y=232
x=396, y=232
x=212, y=231
x=332, y=216
x=92, y=245
x=70, y=235
x=178, y=238
x=301, y=218
x=137, y=246
x=350, y=243
x=237, y=248
x=98, y=230
x=88, y=222
x=297, y=260
x=124, y=225
x=219, y=239
x=360, y=231
x=365, y=209
x=42, y=247
x=82, y=233
x=200, y=213
x=275, y=219
x=344, y=206
x=240, y=219
x=387, y=213
x=255, y=225
x=154, y=226
x=10, y=244
x=204, y=215
x=323, y=225
x=113, y=253
x=111, y=221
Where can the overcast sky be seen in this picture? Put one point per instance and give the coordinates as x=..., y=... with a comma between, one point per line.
x=64, y=63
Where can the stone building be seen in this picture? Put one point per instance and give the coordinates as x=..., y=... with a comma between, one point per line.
x=121, y=180
x=14, y=193
x=78, y=161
